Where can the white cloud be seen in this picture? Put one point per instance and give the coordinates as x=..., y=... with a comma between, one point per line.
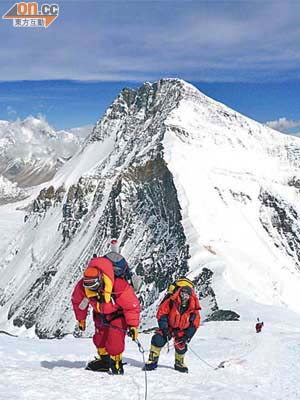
x=81, y=131
x=283, y=124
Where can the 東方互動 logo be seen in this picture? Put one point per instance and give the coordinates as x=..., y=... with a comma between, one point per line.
x=30, y=15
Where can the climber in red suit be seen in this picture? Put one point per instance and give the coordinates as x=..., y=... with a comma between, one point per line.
x=116, y=310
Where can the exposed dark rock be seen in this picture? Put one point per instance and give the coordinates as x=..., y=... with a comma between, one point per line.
x=145, y=199
x=240, y=196
x=59, y=194
x=204, y=290
x=26, y=309
x=203, y=284
x=50, y=193
x=295, y=182
x=280, y=220
x=223, y=315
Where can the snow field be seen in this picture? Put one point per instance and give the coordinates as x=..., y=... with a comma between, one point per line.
x=256, y=366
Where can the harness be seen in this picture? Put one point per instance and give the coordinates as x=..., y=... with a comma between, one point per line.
x=107, y=319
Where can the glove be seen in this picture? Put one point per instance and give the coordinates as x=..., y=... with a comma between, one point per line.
x=81, y=324
x=166, y=334
x=175, y=333
x=133, y=333
x=184, y=339
x=100, y=298
x=77, y=333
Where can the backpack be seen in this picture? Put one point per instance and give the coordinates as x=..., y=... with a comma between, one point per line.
x=120, y=265
x=173, y=287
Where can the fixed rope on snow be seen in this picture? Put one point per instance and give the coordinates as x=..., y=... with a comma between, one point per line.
x=223, y=363
x=141, y=350
x=205, y=362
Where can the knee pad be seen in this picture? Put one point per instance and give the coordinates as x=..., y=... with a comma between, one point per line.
x=158, y=340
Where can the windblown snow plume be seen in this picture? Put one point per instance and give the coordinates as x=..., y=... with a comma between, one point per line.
x=9, y=191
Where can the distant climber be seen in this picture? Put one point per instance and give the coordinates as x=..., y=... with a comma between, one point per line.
x=178, y=318
x=259, y=325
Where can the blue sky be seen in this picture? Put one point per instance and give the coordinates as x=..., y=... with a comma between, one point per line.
x=243, y=53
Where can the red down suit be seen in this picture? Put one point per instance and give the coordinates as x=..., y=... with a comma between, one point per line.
x=115, y=308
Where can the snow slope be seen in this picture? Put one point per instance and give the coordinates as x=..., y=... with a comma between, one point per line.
x=11, y=222
x=256, y=366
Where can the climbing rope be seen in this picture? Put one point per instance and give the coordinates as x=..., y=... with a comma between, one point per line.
x=205, y=362
x=142, y=351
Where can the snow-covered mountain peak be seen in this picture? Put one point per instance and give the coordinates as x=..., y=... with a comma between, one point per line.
x=183, y=111
x=182, y=105
x=31, y=151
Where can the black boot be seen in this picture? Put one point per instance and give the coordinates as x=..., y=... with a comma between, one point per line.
x=152, y=362
x=100, y=364
x=116, y=365
x=179, y=363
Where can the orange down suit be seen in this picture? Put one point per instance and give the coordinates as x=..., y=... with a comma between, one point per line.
x=179, y=324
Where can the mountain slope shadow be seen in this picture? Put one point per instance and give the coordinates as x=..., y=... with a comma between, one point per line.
x=63, y=363
x=140, y=364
